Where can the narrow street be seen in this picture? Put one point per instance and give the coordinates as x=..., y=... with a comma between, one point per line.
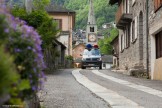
x=63, y=91
x=91, y=88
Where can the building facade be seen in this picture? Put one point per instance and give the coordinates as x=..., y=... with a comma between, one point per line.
x=78, y=51
x=155, y=31
x=66, y=21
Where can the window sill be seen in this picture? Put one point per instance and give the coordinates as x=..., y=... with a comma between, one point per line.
x=134, y=41
x=122, y=51
x=127, y=47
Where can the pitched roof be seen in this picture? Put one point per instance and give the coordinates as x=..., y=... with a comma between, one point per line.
x=56, y=42
x=78, y=45
x=57, y=8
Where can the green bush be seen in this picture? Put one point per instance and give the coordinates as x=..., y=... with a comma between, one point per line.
x=9, y=78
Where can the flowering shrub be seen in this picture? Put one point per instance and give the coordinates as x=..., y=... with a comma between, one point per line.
x=24, y=44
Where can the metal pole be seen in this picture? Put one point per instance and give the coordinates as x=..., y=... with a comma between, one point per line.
x=147, y=35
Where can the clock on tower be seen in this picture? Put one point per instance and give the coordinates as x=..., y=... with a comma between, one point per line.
x=92, y=38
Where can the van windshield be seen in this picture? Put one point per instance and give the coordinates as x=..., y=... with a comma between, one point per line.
x=91, y=52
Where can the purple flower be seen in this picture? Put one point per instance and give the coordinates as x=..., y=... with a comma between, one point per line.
x=30, y=76
x=6, y=30
x=34, y=88
x=29, y=47
x=17, y=50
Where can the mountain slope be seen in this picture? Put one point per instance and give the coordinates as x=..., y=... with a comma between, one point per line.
x=104, y=13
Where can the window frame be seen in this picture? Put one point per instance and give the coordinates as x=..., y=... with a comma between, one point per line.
x=59, y=23
x=158, y=38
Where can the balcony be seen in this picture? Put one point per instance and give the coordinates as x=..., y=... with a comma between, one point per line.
x=122, y=18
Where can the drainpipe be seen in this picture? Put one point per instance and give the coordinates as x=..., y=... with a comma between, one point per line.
x=147, y=35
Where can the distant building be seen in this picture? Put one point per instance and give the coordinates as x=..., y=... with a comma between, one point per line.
x=78, y=51
x=79, y=37
x=77, y=54
x=66, y=22
x=107, y=61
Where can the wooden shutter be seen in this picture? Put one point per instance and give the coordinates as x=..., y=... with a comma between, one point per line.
x=157, y=4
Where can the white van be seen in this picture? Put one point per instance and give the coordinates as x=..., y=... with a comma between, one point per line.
x=91, y=58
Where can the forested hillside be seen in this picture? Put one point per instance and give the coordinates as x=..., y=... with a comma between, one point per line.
x=104, y=13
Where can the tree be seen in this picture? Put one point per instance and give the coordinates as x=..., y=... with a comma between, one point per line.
x=104, y=44
x=40, y=4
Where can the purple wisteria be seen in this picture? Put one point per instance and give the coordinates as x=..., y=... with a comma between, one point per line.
x=29, y=35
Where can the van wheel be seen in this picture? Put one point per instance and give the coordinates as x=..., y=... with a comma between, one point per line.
x=100, y=67
x=83, y=67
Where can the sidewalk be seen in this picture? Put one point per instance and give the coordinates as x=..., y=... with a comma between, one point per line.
x=156, y=84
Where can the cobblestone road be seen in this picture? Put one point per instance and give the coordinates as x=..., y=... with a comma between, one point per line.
x=63, y=91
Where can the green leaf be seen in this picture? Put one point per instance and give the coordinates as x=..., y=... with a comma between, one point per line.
x=24, y=85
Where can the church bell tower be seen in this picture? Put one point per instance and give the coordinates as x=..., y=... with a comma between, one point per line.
x=91, y=31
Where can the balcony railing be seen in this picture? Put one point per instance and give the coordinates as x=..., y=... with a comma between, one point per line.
x=119, y=13
x=122, y=18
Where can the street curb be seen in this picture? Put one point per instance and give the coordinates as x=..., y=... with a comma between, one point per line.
x=111, y=97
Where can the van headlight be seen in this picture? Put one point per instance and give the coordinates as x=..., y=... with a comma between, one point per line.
x=99, y=59
x=83, y=59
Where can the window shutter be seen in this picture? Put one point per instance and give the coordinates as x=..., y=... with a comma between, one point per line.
x=131, y=32
x=125, y=38
x=155, y=4
x=120, y=43
x=136, y=27
x=123, y=42
x=133, y=1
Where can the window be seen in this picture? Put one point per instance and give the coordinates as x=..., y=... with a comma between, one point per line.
x=91, y=52
x=158, y=45
x=157, y=4
x=128, y=36
x=91, y=29
x=59, y=23
x=122, y=43
x=126, y=6
x=134, y=30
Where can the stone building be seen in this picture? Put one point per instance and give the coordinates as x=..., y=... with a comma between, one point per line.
x=130, y=20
